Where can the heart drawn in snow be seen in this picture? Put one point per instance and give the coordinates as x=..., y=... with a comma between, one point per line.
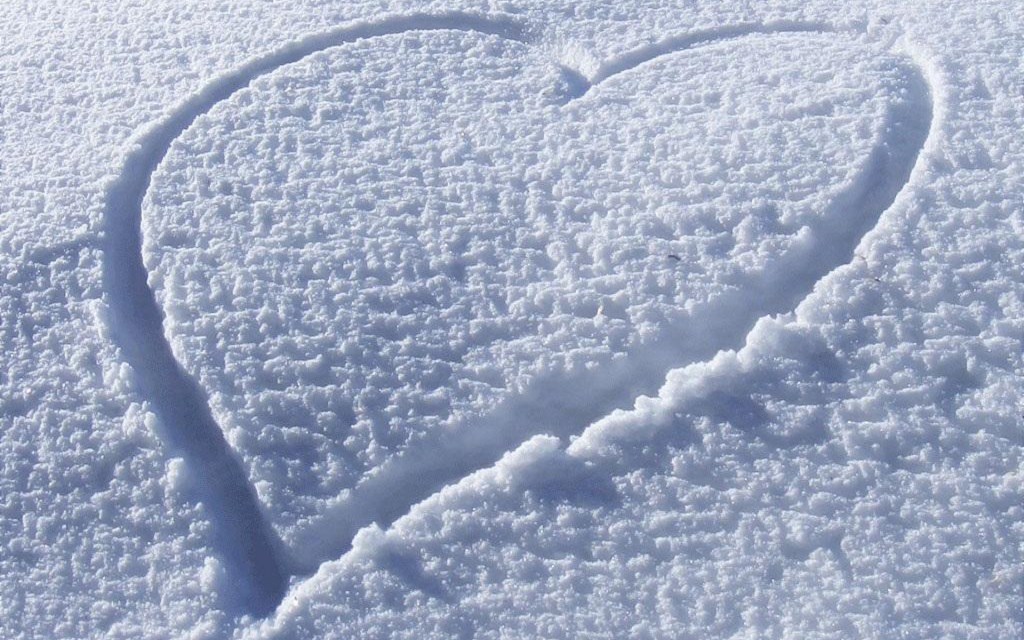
x=398, y=258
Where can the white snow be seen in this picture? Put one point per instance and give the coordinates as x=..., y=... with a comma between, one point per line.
x=511, y=319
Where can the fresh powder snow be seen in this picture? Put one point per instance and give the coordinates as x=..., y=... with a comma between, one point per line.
x=512, y=319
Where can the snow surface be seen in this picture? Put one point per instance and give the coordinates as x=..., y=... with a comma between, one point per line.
x=512, y=319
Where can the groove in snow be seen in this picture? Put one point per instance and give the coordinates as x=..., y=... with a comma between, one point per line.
x=255, y=557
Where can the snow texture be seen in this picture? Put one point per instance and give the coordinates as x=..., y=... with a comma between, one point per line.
x=511, y=319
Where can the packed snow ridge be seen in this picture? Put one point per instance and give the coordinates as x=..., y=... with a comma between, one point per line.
x=561, y=404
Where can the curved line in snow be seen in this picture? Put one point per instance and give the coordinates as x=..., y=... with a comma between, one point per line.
x=253, y=554
x=567, y=405
x=582, y=80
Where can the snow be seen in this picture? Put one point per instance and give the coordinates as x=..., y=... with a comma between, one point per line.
x=511, y=319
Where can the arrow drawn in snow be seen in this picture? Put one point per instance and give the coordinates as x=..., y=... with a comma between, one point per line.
x=254, y=556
